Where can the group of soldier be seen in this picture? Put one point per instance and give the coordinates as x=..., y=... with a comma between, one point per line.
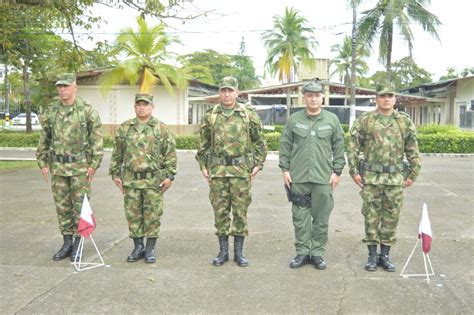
x=231, y=153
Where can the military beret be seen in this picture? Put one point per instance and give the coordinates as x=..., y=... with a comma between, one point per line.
x=312, y=87
x=66, y=79
x=144, y=97
x=229, y=83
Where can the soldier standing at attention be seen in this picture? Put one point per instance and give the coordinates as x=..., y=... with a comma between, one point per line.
x=143, y=167
x=379, y=141
x=231, y=153
x=312, y=159
x=70, y=149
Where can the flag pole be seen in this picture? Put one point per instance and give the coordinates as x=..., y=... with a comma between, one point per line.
x=409, y=258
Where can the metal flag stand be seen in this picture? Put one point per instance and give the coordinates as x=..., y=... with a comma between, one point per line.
x=78, y=264
x=426, y=259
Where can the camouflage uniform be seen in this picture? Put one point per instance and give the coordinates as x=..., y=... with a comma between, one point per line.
x=311, y=149
x=143, y=158
x=385, y=146
x=70, y=143
x=232, y=144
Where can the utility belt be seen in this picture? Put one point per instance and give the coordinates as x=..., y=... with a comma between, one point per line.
x=144, y=174
x=227, y=161
x=67, y=158
x=378, y=168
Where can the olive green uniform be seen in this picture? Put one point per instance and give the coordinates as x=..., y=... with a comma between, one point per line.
x=311, y=148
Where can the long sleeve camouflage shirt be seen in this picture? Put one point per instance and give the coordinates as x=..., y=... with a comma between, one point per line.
x=148, y=149
x=70, y=131
x=385, y=146
x=237, y=135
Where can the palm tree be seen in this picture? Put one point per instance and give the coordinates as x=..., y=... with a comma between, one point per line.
x=388, y=14
x=343, y=61
x=289, y=43
x=146, y=52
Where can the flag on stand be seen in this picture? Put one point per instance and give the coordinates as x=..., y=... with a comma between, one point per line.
x=424, y=231
x=86, y=221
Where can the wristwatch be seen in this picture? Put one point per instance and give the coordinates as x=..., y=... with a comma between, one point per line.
x=337, y=172
x=171, y=177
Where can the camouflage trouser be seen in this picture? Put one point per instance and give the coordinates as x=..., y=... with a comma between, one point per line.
x=68, y=194
x=311, y=224
x=143, y=210
x=230, y=194
x=381, y=209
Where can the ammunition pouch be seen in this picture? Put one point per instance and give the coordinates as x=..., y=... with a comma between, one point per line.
x=301, y=200
x=406, y=169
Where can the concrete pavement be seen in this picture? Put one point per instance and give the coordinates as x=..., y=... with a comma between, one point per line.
x=183, y=279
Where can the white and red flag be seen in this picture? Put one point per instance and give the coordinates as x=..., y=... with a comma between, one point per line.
x=424, y=231
x=86, y=221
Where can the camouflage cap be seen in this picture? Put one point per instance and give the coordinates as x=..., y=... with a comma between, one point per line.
x=312, y=87
x=144, y=97
x=66, y=79
x=381, y=90
x=229, y=82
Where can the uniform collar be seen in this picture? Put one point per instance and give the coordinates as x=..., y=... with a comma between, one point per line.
x=152, y=121
x=238, y=107
x=319, y=116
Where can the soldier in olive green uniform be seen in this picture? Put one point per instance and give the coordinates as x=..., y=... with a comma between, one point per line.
x=312, y=159
x=379, y=141
x=70, y=148
x=232, y=151
x=143, y=166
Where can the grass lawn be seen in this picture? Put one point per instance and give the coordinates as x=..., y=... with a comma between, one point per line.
x=16, y=165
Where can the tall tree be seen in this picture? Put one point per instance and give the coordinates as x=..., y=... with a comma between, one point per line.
x=146, y=51
x=343, y=62
x=406, y=74
x=289, y=44
x=245, y=70
x=390, y=14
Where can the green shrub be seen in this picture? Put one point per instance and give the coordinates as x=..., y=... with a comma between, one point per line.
x=446, y=143
x=438, y=129
x=273, y=141
x=345, y=127
x=19, y=139
x=187, y=142
x=108, y=141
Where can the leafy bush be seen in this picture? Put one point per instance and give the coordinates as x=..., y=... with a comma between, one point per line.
x=345, y=128
x=446, y=143
x=19, y=139
x=273, y=141
x=438, y=129
x=187, y=142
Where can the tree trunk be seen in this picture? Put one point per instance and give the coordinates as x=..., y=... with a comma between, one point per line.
x=288, y=103
x=26, y=90
x=352, y=111
x=389, y=54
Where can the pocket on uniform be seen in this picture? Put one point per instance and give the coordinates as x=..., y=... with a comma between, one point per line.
x=300, y=132
x=324, y=133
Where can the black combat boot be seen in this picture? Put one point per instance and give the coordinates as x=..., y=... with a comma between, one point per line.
x=238, y=248
x=75, y=248
x=223, y=255
x=138, y=251
x=318, y=262
x=66, y=250
x=150, y=250
x=372, y=260
x=384, y=260
x=299, y=261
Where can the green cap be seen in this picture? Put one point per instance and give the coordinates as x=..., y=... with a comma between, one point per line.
x=144, y=97
x=66, y=79
x=312, y=87
x=385, y=90
x=230, y=83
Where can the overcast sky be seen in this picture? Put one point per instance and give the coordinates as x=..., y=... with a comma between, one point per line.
x=331, y=20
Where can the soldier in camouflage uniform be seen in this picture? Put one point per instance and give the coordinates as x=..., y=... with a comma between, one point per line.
x=143, y=167
x=70, y=149
x=311, y=159
x=379, y=141
x=231, y=153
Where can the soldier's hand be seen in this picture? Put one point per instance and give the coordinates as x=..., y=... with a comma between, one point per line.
x=358, y=180
x=165, y=184
x=407, y=183
x=287, y=179
x=118, y=182
x=90, y=174
x=255, y=170
x=205, y=173
x=45, y=173
x=334, y=180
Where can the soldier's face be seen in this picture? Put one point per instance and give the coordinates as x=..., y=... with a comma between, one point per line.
x=385, y=102
x=228, y=97
x=143, y=110
x=67, y=93
x=313, y=101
